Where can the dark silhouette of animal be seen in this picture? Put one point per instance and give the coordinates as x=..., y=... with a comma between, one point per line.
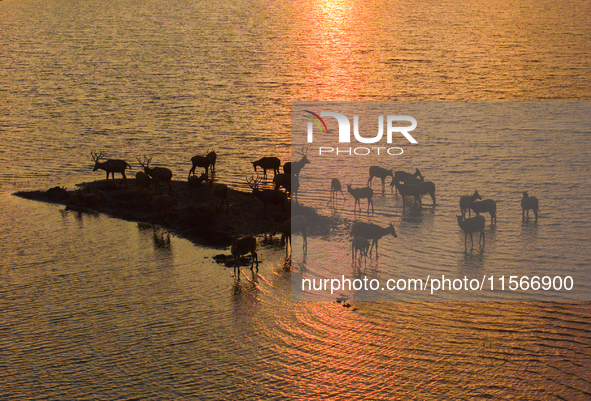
x=372, y=232
x=162, y=206
x=282, y=180
x=111, y=166
x=484, y=206
x=466, y=202
x=361, y=193
x=470, y=226
x=381, y=173
x=428, y=187
x=143, y=181
x=159, y=174
x=268, y=196
x=241, y=247
x=406, y=178
x=294, y=168
x=360, y=244
x=195, y=181
x=410, y=190
x=297, y=224
x=220, y=195
x=207, y=162
x=335, y=185
x=529, y=203
x=267, y=163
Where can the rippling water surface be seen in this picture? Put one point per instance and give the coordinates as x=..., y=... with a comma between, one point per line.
x=93, y=307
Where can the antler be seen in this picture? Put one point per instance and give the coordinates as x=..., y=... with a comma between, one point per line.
x=96, y=157
x=253, y=183
x=146, y=162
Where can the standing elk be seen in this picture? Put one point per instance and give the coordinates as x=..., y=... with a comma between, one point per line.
x=335, y=185
x=297, y=224
x=162, y=206
x=466, y=201
x=372, y=232
x=157, y=173
x=407, y=190
x=360, y=244
x=361, y=193
x=381, y=173
x=407, y=178
x=220, y=194
x=207, y=162
x=470, y=226
x=527, y=203
x=267, y=163
x=294, y=168
x=111, y=166
x=241, y=247
x=267, y=196
x=143, y=181
x=487, y=205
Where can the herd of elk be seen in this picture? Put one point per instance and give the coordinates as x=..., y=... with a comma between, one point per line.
x=111, y=166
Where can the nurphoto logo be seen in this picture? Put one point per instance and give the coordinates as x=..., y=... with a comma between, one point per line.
x=344, y=129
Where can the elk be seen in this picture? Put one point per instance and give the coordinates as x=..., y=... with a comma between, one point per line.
x=143, y=181
x=197, y=181
x=361, y=193
x=267, y=163
x=295, y=167
x=111, y=166
x=267, y=196
x=207, y=162
x=406, y=190
x=487, y=205
x=157, y=173
x=360, y=244
x=470, y=226
x=527, y=203
x=466, y=201
x=297, y=224
x=407, y=178
x=372, y=232
x=282, y=180
x=162, y=206
x=382, y=173
x=241, y=247
x=335, y=185
x=220, y=194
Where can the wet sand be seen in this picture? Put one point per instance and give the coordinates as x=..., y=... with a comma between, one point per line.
x=195, y=215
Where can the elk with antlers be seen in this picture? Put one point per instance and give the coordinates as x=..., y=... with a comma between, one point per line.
x=157, y=173
x=294, y=168
x=111, y=166
x=267, y=196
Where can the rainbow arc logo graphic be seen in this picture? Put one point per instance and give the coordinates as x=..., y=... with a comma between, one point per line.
x=316, y=120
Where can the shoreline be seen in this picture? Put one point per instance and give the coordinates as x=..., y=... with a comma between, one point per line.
x=194, y=215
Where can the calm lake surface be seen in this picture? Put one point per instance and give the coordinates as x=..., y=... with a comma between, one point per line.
x=96, y=308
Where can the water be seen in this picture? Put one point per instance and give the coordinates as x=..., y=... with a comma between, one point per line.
x=95, y=308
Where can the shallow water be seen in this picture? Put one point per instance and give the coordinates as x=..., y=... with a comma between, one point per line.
x=96, y=308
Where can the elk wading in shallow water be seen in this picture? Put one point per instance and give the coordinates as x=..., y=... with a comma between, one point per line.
x=267, y=163
x=466, y=202
x=157, y=173
x=372, y=232
x=470, y=226
x=297, y=224
x=241, y=247
x=335, y=185
x=360, y=244
x=111, y=166
x=527, y=203
x=205, y=162
x=381, y=173
x=361, y=193
x=484, y=206
x=407, y=178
